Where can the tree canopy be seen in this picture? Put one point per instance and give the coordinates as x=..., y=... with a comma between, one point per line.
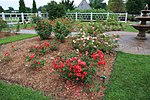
x=55, y=10
x=97, y=4
x=34, y=9
x=1, y=9
x=69, y=5
x=134, y=6
x=22, y=7
x=116, y=6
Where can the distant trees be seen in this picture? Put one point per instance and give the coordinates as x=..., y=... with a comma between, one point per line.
x=96, y=4
x=69, y=5
x=1, y=9
x=134, y=6
x=55, y=10
x=22, y=7
x=34, y=9
x=116, y=5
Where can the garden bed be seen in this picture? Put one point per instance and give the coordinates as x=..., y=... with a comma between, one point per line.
x=5, y=34
x=46, y=79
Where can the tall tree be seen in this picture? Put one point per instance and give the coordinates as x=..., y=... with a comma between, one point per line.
x=34, y=9
x=116, y=5
x=96, y=4
x=134, y=6
x=28, y=9
x=69, y=5
x=22, y=7
x=55, y=10
x=1, y=9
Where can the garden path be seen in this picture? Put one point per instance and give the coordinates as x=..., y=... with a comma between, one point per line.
x=129, y=44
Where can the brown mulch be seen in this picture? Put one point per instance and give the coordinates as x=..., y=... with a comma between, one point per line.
x=4, y=34
x=47, y=80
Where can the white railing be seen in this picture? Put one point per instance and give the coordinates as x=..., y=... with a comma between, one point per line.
x=14, y=18
x=122, y=17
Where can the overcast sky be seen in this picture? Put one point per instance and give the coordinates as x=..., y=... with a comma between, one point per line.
x=28, y=3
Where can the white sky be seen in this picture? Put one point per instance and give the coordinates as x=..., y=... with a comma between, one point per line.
x=28, y=3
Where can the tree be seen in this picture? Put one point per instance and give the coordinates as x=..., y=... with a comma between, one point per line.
x=148, y=2
x=55, y=10
x=97, y=4
x=10, y=9
x=68, y=4
x=134, y=6
x=116, y=6
x=22, y=7
x=28, y=9
x=34, y=9
x=1, y=9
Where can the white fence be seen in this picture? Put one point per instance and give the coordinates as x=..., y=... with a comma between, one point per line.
x=13, y=18
x=122, y=17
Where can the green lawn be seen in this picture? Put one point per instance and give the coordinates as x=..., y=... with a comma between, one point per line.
x=129, y=28
x=130, y=79
x=16, y=38
x=15, y=92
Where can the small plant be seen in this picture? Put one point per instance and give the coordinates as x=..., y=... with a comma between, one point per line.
x=18, y=27
x=36, y=63
x=3, y=24
x=54, y=45
x=43, y=28
x=41, y=49
x=6, y=58
x=25, y=24
x=8, y=32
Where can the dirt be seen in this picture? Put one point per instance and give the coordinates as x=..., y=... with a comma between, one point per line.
x=5, y=34
x=47, y=80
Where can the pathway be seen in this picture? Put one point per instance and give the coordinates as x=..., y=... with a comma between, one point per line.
x=127, y=42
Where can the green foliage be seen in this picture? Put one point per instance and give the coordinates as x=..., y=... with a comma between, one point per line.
x=84, y=42
x=116, y=6
x=97, y=4
x=15, y=92
x=22, y=7
x=69, y=5
x=54, y=45
x=55, y=10
x=130, y=78
x=3, y=24
x=43, y=28
x=61, y=30
x=134, y=6
x=36, y=63
x=89, y=11
x=18, y=27
x=1, y=9
x=34, y=9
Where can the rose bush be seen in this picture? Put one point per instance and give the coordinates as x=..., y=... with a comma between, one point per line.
x=43, y=28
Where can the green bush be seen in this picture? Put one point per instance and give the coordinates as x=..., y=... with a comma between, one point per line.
x=3, y=24
x=43, y=28
x=61, y=30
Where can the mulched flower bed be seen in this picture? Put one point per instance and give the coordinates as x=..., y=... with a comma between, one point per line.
x=46, y=79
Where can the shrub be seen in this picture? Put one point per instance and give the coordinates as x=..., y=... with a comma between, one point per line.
x=79, y=68
x=3, y=24
x=61, y=30
x=84, y=42
x=43, y=28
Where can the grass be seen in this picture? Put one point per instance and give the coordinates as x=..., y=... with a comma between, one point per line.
x=130, y=79
x=15, y=92
x=129, y=28
x=16, y=38
x=23, y=26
